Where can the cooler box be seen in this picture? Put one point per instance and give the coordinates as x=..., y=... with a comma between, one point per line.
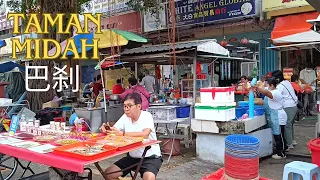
x=215, y=111
x=217, y=94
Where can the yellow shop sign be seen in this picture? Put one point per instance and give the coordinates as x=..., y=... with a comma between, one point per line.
x=271, y=5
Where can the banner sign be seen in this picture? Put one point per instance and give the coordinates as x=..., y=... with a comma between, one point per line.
x=107, y=7
x=190, y=12
x=272, y=5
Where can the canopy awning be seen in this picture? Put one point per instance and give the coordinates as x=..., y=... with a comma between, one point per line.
x=10, y=66
x=207, y=46
x=295, y=29
x=297, y=46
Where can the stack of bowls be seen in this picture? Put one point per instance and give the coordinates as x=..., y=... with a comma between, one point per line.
x=241, y=157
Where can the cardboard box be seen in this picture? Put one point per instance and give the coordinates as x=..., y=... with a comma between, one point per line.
x=50, y=104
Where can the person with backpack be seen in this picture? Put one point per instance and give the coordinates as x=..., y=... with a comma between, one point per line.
x=135, y=87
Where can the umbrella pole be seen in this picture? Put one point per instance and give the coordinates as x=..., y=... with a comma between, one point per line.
x=103, y=89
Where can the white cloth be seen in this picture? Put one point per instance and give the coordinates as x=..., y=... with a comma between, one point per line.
x=288, y=101
x=145, y=121
x=148, y=81
x=308, y=76
x=277, y=101
x=282, y=116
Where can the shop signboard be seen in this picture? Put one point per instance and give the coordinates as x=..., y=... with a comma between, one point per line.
x=272, y=5
x=107, y=7
x=127, y=22
x=190, y=12
x=155, y=21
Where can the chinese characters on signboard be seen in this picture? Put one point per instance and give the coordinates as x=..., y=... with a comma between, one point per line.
x=201, y=11
x=60, y=77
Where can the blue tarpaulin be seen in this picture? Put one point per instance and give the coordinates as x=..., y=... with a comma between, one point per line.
x=9, y=66
x=2, y=43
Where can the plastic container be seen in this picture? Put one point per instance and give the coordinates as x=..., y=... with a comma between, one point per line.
x=240, y=111
x=259, y=111
x=183, y=111
x=219, y=175
x=63, y=150
x=243, y=104
x=241, y=168
x=215, y=112
x=314, y=147
x=163, y=113
x=217, y=94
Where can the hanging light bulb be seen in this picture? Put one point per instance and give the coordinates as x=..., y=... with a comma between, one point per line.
x=224, y=42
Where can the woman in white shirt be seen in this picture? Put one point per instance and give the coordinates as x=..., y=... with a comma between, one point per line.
x=278, y=117
x=290, y=101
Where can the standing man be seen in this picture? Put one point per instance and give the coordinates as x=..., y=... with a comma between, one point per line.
x=308, y=77
x=149, y=82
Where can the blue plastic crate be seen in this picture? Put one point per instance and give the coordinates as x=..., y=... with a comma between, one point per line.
x=183, y=111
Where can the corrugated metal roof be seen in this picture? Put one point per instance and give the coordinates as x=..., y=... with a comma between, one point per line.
x=207, y=45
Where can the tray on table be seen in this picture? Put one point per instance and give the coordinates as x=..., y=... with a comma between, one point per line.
x=121, y=142
x=67, y=150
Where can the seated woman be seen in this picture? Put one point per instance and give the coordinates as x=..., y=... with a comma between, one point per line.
x=135, y=123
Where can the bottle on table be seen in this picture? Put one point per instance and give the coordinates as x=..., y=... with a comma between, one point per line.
x=23, y=123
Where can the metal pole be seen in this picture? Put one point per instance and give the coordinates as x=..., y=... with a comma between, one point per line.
x=103, y=88
x=194, y=77
x=136, y=69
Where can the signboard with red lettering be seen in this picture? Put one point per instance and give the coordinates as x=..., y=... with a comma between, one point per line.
x=127, y=22
x=190, y=12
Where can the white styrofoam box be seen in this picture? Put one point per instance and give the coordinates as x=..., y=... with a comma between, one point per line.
x=217, y=94
x=196, y=125
x=163, y=113
x=215, y=111
x=4, y=101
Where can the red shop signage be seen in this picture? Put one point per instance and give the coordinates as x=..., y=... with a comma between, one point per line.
x=127, y=22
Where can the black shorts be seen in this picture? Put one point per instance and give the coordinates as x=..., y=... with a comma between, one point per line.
x=149, y=164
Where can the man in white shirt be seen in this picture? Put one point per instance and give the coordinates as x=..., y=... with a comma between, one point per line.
x=149, y=82
x=308, y=77
x=135, y=123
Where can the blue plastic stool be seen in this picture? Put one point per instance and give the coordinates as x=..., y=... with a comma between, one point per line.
x=297, y=168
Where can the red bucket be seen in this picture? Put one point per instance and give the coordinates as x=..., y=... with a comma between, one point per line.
x=314, y=147
x=241, y=168
x=219, y=175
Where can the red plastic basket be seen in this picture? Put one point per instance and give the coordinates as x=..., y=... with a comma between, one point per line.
x=219, y=175
x=241, y=168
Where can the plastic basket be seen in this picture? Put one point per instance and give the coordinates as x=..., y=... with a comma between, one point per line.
x=162, y=114
x=183, y=112
x=239, y=168
x=241, y=139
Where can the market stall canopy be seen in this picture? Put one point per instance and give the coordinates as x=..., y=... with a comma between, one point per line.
x=207, y=46
x=107, y=39
x=294, y=29
x=296, y=46
x=10, y=66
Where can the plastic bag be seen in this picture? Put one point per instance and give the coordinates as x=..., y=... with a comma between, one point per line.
x=308, y=89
